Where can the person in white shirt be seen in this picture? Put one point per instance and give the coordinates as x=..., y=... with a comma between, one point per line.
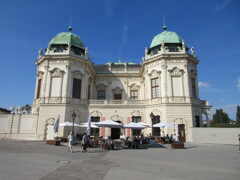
x=162, y=136
x=70, y=141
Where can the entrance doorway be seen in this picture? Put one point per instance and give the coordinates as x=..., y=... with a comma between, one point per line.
x=155, y=130
x=181, y=132
x=115, y=132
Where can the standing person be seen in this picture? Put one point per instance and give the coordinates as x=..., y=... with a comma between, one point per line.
x=85, y=142
x=162, y=137
x=70, y=141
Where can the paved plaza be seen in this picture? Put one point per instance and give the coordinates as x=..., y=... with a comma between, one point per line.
x=36, y=160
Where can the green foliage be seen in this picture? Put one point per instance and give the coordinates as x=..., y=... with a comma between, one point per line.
x=220, y=117
x=222, y=125
x=238, y=115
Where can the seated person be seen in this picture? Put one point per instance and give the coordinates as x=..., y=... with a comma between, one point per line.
x=167, y=139
x=171, y=139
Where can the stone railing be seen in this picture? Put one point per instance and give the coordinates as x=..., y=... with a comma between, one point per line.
x=94, y=102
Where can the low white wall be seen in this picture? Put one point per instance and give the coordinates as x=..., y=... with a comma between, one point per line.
x=30, y=137
x=215, y=135
x=3, y=123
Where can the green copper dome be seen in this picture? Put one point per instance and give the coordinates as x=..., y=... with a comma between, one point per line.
x=166, y=37
x=67, y=38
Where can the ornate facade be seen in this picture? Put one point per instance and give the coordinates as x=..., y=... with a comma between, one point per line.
x=164, y=84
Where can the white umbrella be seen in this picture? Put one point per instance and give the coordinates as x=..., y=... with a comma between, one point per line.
x=133, y=125
x=109, y=123
x=86, y=125
x=164, y=124
x=67, y=123
x=144, y=124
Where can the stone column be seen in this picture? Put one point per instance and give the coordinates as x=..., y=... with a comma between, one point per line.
x=45, y=78
x=207, y=118
x=164, y=82
x=186, y=83
x=66, y=82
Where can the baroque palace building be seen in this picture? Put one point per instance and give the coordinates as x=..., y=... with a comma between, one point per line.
x=162, y=88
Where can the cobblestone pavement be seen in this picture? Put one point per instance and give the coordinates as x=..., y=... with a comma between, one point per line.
x=36, y=160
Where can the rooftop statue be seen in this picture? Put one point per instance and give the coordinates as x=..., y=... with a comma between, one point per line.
x=40, y=52
x=192, y=51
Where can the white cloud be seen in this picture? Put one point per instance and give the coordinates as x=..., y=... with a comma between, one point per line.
x=221, y=5
x=204, y=84
x=238, y=83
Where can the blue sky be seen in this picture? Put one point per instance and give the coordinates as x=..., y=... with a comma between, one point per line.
x=121, y=29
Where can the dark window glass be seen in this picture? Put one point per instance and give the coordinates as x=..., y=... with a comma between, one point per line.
x=134, y=94
x=101, y=94
x=76, y=93
x=155, y=88
x=136, y=132
x=193, y=88
x=155, y=130
x=95, y=131
x=39, y=88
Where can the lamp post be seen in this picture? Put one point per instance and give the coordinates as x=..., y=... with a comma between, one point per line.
x=152, y=116
x=73, y=117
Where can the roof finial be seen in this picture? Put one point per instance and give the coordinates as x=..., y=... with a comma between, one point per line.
x=164, y=26
x=70, y=27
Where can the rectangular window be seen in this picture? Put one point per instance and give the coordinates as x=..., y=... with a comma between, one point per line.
x=89, y=92
x=193, y=88
x=136, y=132
x=156, y=130
x=133, y=94
x=155, y=88
x=101, y=94
x=76, y=92
x=39, y=88
x=95, y=131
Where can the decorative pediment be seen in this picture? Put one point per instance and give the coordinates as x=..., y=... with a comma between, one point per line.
x=77, y=74
x=101, y=86
x=95, y=114
x=156, y=112
x=176, y=71
x=117, y=90
x=40, y=74
x=154, y=73
x=134, y=87
x=56, y=72
x=137, y=113
x=117, y=118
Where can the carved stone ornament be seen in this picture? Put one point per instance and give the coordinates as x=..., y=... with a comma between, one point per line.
x=156, y=112
x=117, y=90
x=90, y=80
x=137, y=113
x=154, y=73
x=134, y=87
x=176, y=71
x=117, y=118
x=101, y=86
x=40, y=74
x=77, y=74
x=96, y=114
x=192, y=72
x=56, y=72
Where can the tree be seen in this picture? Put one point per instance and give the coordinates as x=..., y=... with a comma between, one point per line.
x=220, y=117
x=238, y=115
